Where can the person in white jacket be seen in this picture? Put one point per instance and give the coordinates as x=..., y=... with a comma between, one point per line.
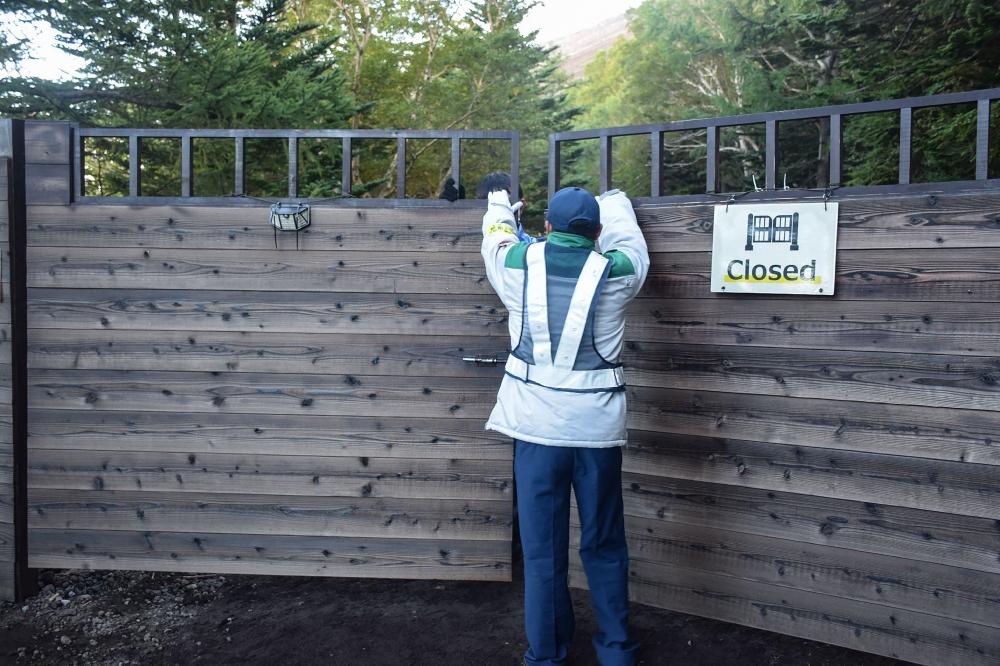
x=562, y=399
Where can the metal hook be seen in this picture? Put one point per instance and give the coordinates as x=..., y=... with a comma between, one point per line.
x=755, y=188
x=827, y=192
x=731, y=200
x=785, y=182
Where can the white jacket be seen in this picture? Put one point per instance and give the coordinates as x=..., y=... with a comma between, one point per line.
x=538, y=414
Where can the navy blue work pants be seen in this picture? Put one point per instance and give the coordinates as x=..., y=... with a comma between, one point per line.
x=544, y=475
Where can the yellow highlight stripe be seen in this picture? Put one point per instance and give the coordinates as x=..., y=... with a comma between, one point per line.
x=818, y=280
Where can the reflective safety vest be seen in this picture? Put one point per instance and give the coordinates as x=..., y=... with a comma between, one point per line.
x=558, y=314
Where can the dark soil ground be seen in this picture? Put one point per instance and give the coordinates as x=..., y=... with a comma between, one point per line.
x=129, y=618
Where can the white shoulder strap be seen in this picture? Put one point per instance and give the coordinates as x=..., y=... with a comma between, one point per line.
x=579, y=308
x=538, y=306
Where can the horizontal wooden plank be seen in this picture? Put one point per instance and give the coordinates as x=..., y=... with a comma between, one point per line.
x=934, y=485
x=966, y=436
x=258, y=270
x=287, y=312
x=962, y=275
x=330, y=476
x=285, y=435
x=262, y=352
x=901, y=634
x=872, y=222
x=6, y=502
x=269, y=554
x=928, y=328
x=956, y=541
x=933, y=380
x=46, y=184
x=6, y=555
x=46, y=142
x=925, y=587
x=796, y=323
x=242, y=228
x=6, y=466
x=250, y=393
x=258, y=513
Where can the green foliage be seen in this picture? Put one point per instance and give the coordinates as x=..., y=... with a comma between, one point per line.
x=441, y=64
x=704, y=58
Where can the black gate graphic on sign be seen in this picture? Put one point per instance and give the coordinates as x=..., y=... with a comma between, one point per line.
x=777, y=229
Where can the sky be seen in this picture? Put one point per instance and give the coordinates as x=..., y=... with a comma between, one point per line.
x=551, y=18
x=557, y=18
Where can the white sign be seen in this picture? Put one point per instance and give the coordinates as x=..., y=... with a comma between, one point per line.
x=780, y=248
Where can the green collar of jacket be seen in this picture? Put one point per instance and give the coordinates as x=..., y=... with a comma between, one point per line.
x=563, y=239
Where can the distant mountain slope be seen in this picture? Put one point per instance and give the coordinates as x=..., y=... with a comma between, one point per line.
x=580, y=48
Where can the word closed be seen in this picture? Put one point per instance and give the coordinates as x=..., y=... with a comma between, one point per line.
x=779, y=248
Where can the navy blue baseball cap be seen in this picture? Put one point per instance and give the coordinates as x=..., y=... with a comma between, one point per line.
x=574, y=210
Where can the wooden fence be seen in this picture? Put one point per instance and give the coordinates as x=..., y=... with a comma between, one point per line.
x=8, y=588
x=822, y=467
x=202, y=401
x=825, y=467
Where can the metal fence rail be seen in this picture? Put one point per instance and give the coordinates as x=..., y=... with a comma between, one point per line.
x=136, y=136
x=835, y=114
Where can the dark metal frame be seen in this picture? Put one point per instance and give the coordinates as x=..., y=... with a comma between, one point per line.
x=25, y=581
x=771, y=120
x=135, y=137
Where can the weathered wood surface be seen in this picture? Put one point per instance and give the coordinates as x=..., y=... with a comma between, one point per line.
x=902, y=634
x=258, y=513
x=47, y=184
x=912, y=222
x=959, y=541
x=47, y=142
x=933, y=485
x=7, y=570
x=963, y=275
x=258, y=270
x=925, y=328
x=898, y=583
x=332, y=476
x=933, y=380
x=817, y=323
x=968, y=436
x=950, y=275
x=284, y=435
x=308, y=353
x=307, y=412
x=866, y=223
x=249, y=393
x=7, y=560
x=271, y=554
x=243, y=228
x=283, y=312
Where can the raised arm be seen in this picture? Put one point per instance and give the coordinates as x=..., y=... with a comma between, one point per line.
x=499, y=236
x=621, y=233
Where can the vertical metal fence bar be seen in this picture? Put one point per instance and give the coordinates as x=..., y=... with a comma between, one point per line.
x=456, y=159
x=836, y=150
x=905, y=144
x=345, y=167
x=604, y=183
x=134, y=166
x=712, y=160
x=515, y=167
x=771, y=160
x=555, y=163
x=241, y=172
x=78, y=162
x=293, y=167
x=187, y=176
x=983, y=140
x=400, y=168
x=656, y=162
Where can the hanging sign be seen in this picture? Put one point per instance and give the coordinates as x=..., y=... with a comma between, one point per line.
x=781, y=248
